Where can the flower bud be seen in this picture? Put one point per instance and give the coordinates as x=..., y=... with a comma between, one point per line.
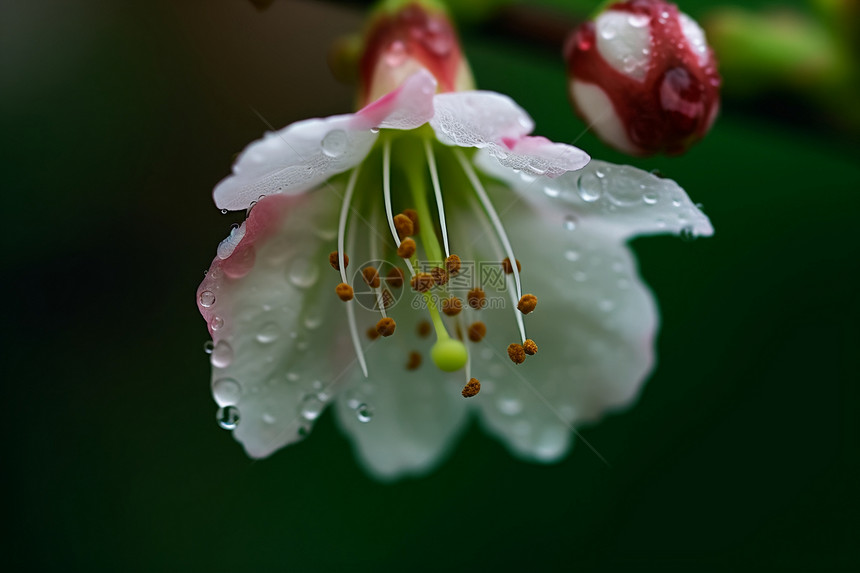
x=405, y=36
x=642, y=75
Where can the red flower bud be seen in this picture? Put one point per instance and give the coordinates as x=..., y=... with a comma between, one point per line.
x=642, y=75
x=411, y=36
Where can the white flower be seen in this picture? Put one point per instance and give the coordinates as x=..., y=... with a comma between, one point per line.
x=285, y=347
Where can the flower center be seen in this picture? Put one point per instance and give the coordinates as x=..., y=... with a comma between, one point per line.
x=420, y=242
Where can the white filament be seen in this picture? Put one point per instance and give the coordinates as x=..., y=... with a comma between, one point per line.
x=494, y=217
x=341, y=228
x=386, y=194
x=437, y=189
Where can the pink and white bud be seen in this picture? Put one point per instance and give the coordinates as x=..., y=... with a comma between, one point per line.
x=412, y=36
x=642, y=76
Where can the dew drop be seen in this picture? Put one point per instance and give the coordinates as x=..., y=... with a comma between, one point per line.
x=590, y=186
x=571, y=256
x=676, y=202
x=334, y=143
x=374, y=130
x=228, y=417
x=216, y=323
x=268, y=418
x=226, y=392
x=688, y=233
x=607, y=33
x=364, y=413
x=650, y=198
x=293, y=377
x=303, y=273
x=222, y=354
x=313, y=322
x=569, y=223
x=311, y=407
x=224, y=211
x=208, y=346
x=268, y=333
x=207, y=298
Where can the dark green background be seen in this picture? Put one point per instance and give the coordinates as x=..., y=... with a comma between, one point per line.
x=118, y=118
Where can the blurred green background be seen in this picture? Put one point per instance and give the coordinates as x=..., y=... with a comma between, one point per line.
x=117, y=120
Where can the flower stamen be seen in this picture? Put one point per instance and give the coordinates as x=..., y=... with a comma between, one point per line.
x=437, y=190
x=341, y=228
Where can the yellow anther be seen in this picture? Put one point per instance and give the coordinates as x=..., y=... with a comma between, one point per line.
x=440, y=275
x=471, y=388
x=394, y=278
x=406, y=248
x=414, y=361
x=527, y=303
x=344, y=292
x=404, y=226
x=452, y=306
x=422, y=282
x=413, y=216
x=371, y=276
x=508, y=268
x=516, y=353
x=424, y=329
x=477, y=331
x=452, y=265
x=335, y=263
x=477, y=298
x=386, y=326
x=530, y=347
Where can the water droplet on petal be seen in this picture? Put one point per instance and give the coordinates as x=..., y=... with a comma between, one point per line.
x=268, y=333
x=311, y=407
x=207, y=298
x=569, y=223
x=650, y=198
x=216, y=323
x=224, y=211
x=688, y=233
x=374, y=130
x=571, y=256
x=590, y=186
x=293, y=377
x=303, y=273
x=208, y=346
x=228, y=417
x=226, y=392
x=222, y=354
x=335, y=143
x=364, y=413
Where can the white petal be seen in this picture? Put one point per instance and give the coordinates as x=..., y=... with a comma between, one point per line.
x=622, y=200
x=408, y=107
x=539, y=156
x=416, y=414
x=624, y=41
x=594, y=326
x=294, y=159
x=272, y=323
x=478, y=119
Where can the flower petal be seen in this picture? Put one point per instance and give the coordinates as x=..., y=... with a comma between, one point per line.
x=540, y=156
x=408, y=107
x=478, y=118
x=416, y=414
x=594, y=326
x=622, y=200
x=496, y=124
x=294, y=159
x=273, y=358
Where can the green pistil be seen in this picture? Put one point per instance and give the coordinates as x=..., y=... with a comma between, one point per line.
x=448, y=354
